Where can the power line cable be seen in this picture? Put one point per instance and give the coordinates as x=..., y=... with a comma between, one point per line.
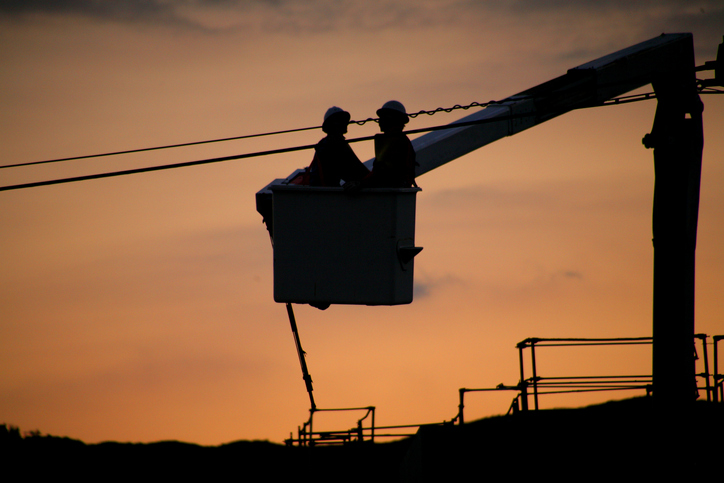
x=239, y=156
x=614, y=101
x=153, y=168
x=251, y=155
x=248, y=136
x=140, y=150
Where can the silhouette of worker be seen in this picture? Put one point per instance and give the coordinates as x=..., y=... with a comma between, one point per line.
x=394, y=165
x=334, y=159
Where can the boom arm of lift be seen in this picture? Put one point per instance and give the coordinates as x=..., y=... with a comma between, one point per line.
x=587, y=85
x=666, y=62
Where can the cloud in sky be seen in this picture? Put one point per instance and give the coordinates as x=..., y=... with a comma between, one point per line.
x=426, y=284
x=289, y=15
x=129, y=10
x=319, y=16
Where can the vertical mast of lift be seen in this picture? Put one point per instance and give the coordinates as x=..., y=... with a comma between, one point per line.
x=678, y=140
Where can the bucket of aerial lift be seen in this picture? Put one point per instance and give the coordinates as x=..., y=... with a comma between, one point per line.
x=332, y=247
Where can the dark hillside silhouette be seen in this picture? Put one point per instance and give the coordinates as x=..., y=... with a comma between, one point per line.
x=617, y=439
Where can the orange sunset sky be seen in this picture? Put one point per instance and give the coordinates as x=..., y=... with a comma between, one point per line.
x=140, y=308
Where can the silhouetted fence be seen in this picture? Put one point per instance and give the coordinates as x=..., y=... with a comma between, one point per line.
x=533, y=386
x=306, y=436
x=537, y=385
x=572, y=384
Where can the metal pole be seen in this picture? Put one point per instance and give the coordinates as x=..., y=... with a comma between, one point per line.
x=718, y=388
x=311, y=429
x=372, y=436
x=523, y=385
x=535, y=375
x=461, y=407
x=524, y=396
x=677, y=138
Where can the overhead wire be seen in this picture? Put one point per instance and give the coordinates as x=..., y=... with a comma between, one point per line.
x=627, y=99
x=244, y=156
x=614, y=101
x=645, y=96
x=155, y=148
x=701, y=87
x=247, y=136
x=237, y=156
x=153, y=168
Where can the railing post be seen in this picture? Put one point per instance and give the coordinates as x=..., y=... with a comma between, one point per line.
x=524, y=396
x=372, y=433
x=461, y=407
x=514, y=408
x=718, y=381
x=535, y=374
x=523, y=391
x=703, y=338
x=311, y=430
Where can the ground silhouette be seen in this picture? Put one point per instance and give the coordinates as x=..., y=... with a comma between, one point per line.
x=628, y=440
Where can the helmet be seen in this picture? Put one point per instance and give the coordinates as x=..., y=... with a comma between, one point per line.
x=336, y=111
x=395, y=108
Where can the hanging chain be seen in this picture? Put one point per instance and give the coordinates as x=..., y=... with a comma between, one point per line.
x=434, y=111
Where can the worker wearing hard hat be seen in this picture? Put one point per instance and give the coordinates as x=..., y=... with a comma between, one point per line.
x=394, y=165
x=334, y=159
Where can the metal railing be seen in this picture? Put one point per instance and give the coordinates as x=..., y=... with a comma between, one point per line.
x=306, y=436
x=713, y=384
x=571, y=384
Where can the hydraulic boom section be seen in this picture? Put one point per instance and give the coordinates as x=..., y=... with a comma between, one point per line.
x=587, y=85
x=667, y=62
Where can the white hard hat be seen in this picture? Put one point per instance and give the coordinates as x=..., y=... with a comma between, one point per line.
x=334, y=110
x=395, y=107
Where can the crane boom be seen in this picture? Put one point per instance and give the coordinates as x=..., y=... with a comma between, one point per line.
x=587, y=85
x=666, y=62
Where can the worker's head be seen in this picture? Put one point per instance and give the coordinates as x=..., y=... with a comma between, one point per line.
x=393, y=116
x=335, y=120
